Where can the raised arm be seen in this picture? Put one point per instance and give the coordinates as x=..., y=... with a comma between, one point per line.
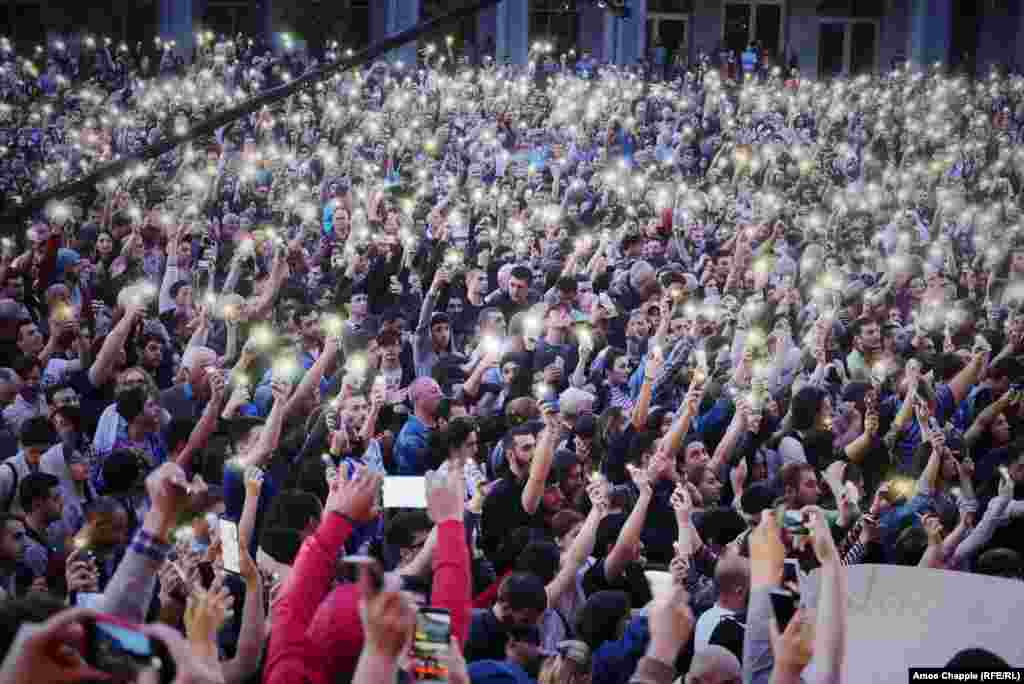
x=258, y=308
x=830, y=622
x=311, y=380
x=207, y=422
x=985, y=419
x=103, y=367
x=581, y=547
x=540, y=465
x=652, y=371
x=271, y=434
x=621, y=553
x=962, y=382
x=251, y=635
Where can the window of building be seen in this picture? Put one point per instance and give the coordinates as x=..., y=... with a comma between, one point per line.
x=358, y=33
x=757, y=21
x=847, y=46
x=556, y=22
x=670, y=6
x=859, y=9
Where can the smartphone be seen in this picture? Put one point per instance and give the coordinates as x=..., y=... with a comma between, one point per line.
x=429, y=648
x=88, y=599
x=229, y=546
x=1004, y=472
x=784, y=605
x=206, y=574
x=405, y=492
x=791, y=572
x=372, y=566
x=120, y=649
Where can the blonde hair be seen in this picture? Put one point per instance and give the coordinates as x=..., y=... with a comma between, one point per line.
x=561, y=670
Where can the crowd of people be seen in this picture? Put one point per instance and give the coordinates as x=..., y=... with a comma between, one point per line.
x=592, y=363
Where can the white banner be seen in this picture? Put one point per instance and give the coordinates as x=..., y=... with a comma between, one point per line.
x=902, y=617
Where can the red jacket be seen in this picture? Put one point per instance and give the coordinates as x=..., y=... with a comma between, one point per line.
x=321, y=634
x=292, y=657
x=338, y=630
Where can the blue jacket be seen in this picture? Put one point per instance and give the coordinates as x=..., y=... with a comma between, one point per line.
x=411, y=448
x=497, y=672
x=615, y=661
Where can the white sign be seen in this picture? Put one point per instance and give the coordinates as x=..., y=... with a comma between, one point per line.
x=901, y=617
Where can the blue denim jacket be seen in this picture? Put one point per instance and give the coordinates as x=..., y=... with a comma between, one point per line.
x=411, y=447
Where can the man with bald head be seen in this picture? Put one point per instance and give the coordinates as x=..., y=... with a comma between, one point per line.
x=714, y=665
x=188, y=396
x=722, y=624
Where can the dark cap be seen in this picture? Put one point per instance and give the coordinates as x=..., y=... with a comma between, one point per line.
x=757, y=498
x=439, y=317
x=585, y=426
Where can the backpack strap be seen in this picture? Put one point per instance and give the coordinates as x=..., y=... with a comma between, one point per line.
x=14, y=487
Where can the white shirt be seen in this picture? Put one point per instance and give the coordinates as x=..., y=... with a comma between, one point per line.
x=706, y=626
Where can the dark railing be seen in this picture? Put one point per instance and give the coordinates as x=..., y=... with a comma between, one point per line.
x=10, y=219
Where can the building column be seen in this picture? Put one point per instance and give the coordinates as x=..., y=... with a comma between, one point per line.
x=487, y=32
x=402, y=15
x=931, y=32
x=513, y=34
x=176, y=23
x=629, y=33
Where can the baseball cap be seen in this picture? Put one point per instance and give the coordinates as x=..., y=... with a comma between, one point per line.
x=586, y=425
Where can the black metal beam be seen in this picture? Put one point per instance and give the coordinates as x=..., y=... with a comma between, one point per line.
x=10, y=218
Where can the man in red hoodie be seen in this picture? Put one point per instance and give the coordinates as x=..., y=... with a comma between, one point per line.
x=318, y=635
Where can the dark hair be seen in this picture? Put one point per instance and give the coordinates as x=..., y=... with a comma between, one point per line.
x=310, y=478
x=805, y=406
x=389, y=338
x=511, y=547
x=1000, y=562
x=509, y=441
x=178, y=432
x=859, y=324
x=23, y=363
x=35, y=607
x=459, y=430
x=123, y=470
x=521, y=273
x=640, y=444
x=542, y=558
x=522, y=591
x=791, y=474
x=51, y=391
x=103, y=505
x=401, y=529
x=176, y=287
x=608, y=531
x=293, y=509
x=131, y=403
x=281, y=543
x=37, y=432
x=597, y=621
x=910, y=546
x=973, y=659
x=486, y=314
x=1008, y=366
x=36, y=486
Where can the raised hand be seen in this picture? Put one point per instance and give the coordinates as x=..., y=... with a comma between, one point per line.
x=641, y=479
x=446, y=495
x=355, y=499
